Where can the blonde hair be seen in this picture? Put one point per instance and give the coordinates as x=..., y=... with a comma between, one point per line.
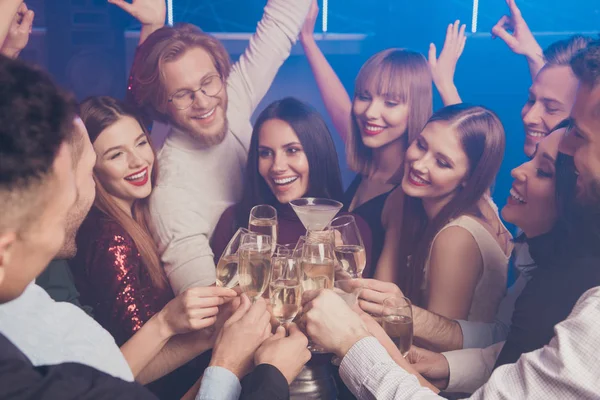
x=403, y=75
x=146, y=81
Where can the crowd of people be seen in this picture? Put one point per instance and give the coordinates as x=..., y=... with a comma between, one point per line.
x=109, y=246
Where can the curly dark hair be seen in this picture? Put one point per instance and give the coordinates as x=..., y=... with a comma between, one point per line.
x=36, y=117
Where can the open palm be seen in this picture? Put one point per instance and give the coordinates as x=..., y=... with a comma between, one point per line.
x=148, y=12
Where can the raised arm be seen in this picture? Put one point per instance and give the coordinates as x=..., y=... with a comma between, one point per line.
x=8, y=9
x=150, y=13
x=252, y=76
x=18, y=33
x=521, y=40
x=443, y=67
x=334, y=95
x=454, y=269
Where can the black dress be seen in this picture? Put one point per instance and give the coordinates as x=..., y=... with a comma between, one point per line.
x=371, y=212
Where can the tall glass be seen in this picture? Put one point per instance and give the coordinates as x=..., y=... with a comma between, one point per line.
x=254, y=268
x=263, y=220
x=286, y=286
x=349, y=247
x=318, y=267
x=397, y=321
x=227, y=267
x=318, y=261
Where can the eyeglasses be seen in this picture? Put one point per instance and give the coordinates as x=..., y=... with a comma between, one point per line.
x=211, y=86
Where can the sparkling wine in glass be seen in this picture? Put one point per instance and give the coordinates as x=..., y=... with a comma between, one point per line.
x=349, y=247
x=254, y=268
x=227, y=267
x=285, y=287
x=263, y=220
x=397, y=321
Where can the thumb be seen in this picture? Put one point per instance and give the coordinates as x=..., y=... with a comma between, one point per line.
x=27, y=22
x=241, y=310
x=432, y=55
x=279, y=333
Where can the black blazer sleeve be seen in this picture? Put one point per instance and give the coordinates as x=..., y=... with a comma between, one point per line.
x=265, y=382
x=20, y=380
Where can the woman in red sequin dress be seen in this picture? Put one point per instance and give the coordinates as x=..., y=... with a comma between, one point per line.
x=117, y=269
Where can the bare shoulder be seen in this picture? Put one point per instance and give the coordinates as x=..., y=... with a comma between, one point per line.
x=454, y=240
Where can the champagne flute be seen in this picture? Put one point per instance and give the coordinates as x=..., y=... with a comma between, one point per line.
x=349, y=247
x=254, y=268
x=263, y=220
x=397, y=321
x=227, y=267
x=286, y=286
x=318, y=267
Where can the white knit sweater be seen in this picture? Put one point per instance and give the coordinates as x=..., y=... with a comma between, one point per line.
x=197, y=184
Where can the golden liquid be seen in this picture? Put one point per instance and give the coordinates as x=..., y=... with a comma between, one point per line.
x=286, y=296
x=352, y=259
x=400, y=329
x=254, y=270
x=226, y=269
x=318, y=275
x=264, y=227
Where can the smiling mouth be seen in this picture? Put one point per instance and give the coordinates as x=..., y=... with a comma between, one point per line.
x=416, y=180
x=205, y=116
x=284, y=181
x=138, y=178
x=517, y=196
x=372, y=129
x=536, y=134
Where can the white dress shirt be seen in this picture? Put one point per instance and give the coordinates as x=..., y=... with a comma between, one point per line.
x=50, y=332
x=567, y=368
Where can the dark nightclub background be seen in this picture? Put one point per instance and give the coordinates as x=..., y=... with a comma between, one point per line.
x=88, y=46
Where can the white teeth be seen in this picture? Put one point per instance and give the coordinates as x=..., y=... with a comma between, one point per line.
x=371, y=128
x=285, y=181
x=137, y=176
x=208, y=114
x=417, y=179
x=537, y=134
x=516, y=196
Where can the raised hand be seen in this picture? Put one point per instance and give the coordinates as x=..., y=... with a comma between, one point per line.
x=443, y=67
x=195, y=309
x=308, y=29
x=148, y=12
x=433, y=366
x=373, y=293
x=521, y=40
x=241, y=335
x=287, y=354
x=18, y=33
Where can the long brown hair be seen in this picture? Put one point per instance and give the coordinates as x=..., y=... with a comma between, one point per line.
x=99, y=113
x=402, y=74
x=481, y=135
x=146, y=86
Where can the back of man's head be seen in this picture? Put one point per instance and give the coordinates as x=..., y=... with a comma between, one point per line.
x=36, y=120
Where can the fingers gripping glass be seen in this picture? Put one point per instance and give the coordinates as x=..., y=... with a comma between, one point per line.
x=184, y=98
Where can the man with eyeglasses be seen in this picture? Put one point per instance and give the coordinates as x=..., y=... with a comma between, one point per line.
x=184, y=78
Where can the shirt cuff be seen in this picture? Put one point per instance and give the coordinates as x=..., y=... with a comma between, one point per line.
x=470, y=368
x=219, y=383
x=361, y=357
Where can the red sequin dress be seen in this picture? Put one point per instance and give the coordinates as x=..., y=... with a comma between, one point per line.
x=110, y=276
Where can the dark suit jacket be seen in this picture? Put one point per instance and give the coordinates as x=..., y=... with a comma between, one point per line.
x=19, y=379
x=265, y=382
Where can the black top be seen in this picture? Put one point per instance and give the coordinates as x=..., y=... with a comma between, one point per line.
x=550, y=295
x=19, y=379
x=265, y=382
x=371, y=212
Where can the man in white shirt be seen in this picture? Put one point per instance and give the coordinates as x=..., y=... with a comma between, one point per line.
x=566, y=368
x=183, y=77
